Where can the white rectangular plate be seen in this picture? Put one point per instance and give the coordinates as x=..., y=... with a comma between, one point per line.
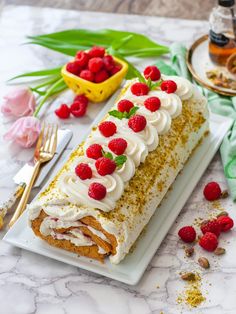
x=133, y=266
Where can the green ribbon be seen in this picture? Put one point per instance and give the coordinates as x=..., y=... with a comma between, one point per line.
x=222, y=105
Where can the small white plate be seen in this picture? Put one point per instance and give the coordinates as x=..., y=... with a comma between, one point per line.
x=199, y=62
x=133, y=266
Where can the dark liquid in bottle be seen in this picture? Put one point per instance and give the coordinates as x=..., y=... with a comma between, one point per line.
x=219, y=54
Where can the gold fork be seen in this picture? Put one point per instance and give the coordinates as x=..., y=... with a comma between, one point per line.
x=44, y=151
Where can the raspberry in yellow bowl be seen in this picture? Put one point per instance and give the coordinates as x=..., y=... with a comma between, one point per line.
x=95, y=92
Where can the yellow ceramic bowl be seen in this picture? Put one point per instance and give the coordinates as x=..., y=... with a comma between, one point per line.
x=95, y=92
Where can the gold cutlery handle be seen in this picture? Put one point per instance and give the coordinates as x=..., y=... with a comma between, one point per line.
x=24, y=199
x=6, y=206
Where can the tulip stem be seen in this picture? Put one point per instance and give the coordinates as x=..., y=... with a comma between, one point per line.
x=51, y=81
x=51, y=91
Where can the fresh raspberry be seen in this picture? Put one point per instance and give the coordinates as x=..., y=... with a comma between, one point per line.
x=107, y=128
x=139, y=89
x=82, y=58
x=109, y=62
x=94, y=151
x=73, y=67
x=152, y=103
x=115, y=69
x=83, y=171
x=209, y=241
x=211, y=226
x=187, y=234
x=137, y=123
x=168, y=86
x=212, y=191
x=87, y=75
x=226, y=223
x=63, y=112
x=105, y=166
x=101, y=76
x=152, y=72
x=95, y=65
x=125, y=105
x=117, y=146
x=96, y=52
x=81, y=98
x=97, y=191
x=78, y=109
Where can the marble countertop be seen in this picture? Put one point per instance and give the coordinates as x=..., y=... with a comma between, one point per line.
x=30, y=283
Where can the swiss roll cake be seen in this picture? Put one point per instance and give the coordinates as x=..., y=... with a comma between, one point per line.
x=109, y=188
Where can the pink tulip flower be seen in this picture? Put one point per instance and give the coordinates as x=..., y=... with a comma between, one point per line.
x=19, y=102
x=24, y=131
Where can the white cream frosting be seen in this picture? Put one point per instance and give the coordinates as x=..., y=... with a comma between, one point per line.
x=75, y=204
x=139, y=144
x=184, y=87
x=50, y=225
x=75, y=236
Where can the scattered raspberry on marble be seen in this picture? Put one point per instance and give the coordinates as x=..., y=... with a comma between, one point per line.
x=87, y=75
x=73, y=67
x=63, y=112
x=97, y=191
x=152, y=72
x=168, y=86
x=152, y=103
x=226, y=223
x=139, y=89
x=105, y=166
x=78, y=109
x=101, y=76
x=82, y=58
x=124, y=105
x=117, y=146
x=107, y=128
x=81, y=98
x=94, y=151
x=211, y=226
x=187, y=234
x=96, y=52
x=83, y=171
x=209, y=241
x=212, y=191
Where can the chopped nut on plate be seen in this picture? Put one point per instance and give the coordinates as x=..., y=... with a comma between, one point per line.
x=220, y=78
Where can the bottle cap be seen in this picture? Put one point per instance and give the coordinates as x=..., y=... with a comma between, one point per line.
x=226, y=3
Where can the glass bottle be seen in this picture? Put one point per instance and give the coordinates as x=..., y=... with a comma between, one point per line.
x=222, y=36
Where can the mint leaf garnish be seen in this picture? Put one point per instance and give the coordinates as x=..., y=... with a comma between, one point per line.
x=132, y=111
x=123, y=115
x=151, y=85
x=155, y=85
x=120, y=160
x=117, y=114
x=142, y=79
x=107, y=155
